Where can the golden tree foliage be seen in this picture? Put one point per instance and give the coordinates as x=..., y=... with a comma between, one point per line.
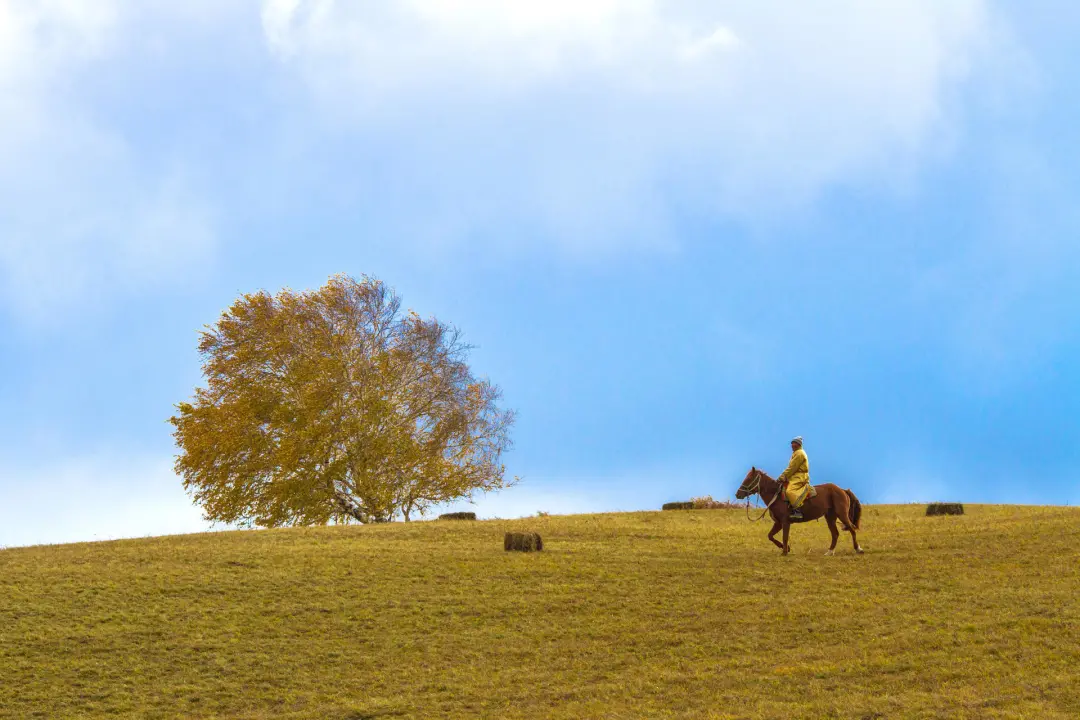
x=334, y=405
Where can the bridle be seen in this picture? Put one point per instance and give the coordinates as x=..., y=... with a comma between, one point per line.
x=755, y=489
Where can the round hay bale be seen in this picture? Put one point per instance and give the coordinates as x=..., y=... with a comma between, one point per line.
x=458, y=516
x=678, y=506
x=945, y=509
x=523, y=542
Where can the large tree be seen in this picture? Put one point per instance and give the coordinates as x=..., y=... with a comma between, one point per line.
x=334, y=404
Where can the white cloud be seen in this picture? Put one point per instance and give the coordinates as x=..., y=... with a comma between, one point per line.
x=54, y=30
x=90, y=222
x=105, y=496
x=39, y=43
x=721, y=39
x=81, y=209
x=595, y=120
x=589, y=124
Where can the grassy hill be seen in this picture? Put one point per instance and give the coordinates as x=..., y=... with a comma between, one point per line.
x=684, y=614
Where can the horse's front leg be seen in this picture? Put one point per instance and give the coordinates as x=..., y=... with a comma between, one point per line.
x=786, y=545
x=772, y=534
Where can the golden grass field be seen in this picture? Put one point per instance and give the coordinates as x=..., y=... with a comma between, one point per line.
x=680, y=614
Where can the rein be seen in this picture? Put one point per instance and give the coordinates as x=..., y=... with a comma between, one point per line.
x=756, y=490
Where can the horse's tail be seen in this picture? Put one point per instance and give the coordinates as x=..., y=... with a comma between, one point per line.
x=856, y=508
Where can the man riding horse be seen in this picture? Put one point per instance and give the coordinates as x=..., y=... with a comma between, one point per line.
x=803, y=501
x=797, y=477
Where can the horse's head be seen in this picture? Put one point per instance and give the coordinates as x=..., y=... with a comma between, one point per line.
x=750, y=484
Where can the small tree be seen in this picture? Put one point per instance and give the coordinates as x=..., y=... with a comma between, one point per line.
x=334, y=405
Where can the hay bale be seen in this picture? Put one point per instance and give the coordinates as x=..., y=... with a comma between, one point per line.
x=458, y=516
x=678, y=506
x=523, y=542
x=945, y=509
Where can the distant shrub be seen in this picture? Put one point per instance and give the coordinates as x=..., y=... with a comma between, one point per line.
x=707, y=503
x=458, y=516
x=701, y=503
x=945, y=509
x=523, y=542
x=541, y=513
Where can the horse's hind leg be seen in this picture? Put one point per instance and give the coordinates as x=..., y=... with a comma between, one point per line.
x=830, y=517
x=842, y=511
x=855, y=542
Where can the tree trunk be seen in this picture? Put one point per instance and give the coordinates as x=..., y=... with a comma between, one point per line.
x=350, y=508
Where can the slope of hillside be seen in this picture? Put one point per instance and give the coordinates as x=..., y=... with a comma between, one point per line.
x=684, y=614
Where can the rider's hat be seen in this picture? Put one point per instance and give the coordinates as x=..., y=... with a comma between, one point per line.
x=797, y=440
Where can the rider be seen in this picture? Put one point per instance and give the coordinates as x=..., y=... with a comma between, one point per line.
x=797, y=476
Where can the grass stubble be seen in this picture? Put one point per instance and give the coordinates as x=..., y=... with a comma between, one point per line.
x=682, y=614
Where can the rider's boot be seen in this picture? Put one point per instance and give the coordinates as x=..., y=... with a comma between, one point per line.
x=795, y=513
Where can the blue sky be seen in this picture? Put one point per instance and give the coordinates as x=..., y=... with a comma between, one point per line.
x=679, y=234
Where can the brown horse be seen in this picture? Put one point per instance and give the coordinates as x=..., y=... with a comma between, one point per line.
x=830, y=502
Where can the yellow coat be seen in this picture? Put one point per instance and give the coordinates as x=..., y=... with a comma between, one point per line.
x=798, y=476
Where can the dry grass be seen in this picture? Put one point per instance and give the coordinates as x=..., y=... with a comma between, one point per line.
x=644, y=615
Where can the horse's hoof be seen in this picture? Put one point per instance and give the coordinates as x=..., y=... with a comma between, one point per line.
x=859, y=550
x=828, y=553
